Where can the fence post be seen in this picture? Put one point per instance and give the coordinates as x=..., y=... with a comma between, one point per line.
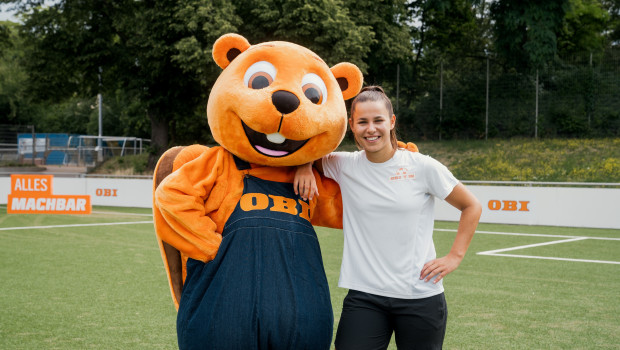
x=536, y=121
x=397, y=85
x=440, y=96
x=34, y=144
x=486, y=108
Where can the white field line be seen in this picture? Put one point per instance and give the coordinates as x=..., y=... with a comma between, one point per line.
x=105, y=212
x=499, y=252
x=553, y=258
x=492, y=252
x=74, y=225
x=532, y=234
x=120, y=213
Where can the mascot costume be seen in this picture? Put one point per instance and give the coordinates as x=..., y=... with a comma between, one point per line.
x=242, y=257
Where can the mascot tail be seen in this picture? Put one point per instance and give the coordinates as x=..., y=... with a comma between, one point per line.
x=174, y=261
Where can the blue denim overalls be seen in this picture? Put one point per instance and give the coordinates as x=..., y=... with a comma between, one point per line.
x=266, y=287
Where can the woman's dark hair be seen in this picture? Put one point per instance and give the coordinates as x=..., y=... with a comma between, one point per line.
x=375, y=93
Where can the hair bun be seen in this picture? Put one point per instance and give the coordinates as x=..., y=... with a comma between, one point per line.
x=373, y=88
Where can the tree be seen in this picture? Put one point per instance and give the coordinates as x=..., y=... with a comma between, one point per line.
x=526, y=31
x=325, y=27
x=613, y=28
x=388, y=39
x=15, y=104
x=583, y=28
x=142, y=48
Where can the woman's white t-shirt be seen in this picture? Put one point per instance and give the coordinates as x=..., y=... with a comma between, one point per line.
x=388, y=220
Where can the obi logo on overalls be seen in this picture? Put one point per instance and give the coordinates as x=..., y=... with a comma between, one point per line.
x=261, y=201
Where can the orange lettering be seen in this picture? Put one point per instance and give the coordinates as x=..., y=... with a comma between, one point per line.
x=510, y=205
x=495, y=204
x=253, y=201
x=524, y=205
x=284, y=205
x=305, y=210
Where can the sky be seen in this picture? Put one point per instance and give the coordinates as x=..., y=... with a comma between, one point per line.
x=6, y=15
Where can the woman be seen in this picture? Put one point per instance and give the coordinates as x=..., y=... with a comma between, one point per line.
x=389, y=263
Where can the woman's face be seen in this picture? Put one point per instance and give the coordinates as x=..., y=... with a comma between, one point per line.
x=371, y=125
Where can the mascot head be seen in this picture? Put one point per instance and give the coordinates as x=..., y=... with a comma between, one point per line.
x=278, y=103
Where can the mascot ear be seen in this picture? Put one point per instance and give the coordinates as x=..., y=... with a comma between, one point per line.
x=227, y=47
x=349, y=78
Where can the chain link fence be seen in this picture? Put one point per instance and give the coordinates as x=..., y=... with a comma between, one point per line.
x=477, y=98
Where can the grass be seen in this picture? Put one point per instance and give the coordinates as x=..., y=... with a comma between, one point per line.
x=562, y=160
x=104, y=287
x=125, y=165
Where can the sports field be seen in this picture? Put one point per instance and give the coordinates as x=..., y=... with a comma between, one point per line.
x=97, y=281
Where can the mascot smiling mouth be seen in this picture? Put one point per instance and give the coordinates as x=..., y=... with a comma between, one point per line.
x=263, y=144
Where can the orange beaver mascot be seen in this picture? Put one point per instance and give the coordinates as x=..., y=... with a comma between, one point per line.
x=242, y=257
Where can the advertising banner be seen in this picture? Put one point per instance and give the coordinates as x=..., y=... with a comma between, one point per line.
x=32, y=194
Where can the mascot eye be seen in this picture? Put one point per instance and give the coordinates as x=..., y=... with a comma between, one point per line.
x=314, y=88
x=259, y=75
x=260, y=80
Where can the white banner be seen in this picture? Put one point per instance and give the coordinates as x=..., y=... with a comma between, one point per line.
x=109, y=192
x=521, y=205
x=552, y=206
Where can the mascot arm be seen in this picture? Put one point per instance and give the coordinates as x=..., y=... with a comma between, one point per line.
x=328, y=209
x=181, y=198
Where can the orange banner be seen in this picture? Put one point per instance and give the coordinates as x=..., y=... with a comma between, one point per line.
x=32, y=194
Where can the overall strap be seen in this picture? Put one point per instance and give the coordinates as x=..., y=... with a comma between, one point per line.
x=241, y=164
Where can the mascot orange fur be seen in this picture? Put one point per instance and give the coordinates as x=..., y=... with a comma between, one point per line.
x=242, y=257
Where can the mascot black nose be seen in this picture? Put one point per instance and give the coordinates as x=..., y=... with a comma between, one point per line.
x=285, y=101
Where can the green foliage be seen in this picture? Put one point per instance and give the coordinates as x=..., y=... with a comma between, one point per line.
x=388, y=40
x=4, y=38
x=526, y=31
x=613, y=30
x=325, y=27
x=583, y=27
x=15, y=102
x=573, y=160
x=125, y=165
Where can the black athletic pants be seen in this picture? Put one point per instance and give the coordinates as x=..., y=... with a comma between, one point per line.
x=368, y=320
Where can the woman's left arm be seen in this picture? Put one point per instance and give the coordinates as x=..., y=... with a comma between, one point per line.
x=462, y=199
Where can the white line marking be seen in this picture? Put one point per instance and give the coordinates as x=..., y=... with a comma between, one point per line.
x=532, y=234
x=74, y=225
x=552, y=258
x=491, y=252
x=569, y=239
x=120, y=213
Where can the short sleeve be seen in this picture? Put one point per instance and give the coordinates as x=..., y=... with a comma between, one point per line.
x=440, y=180
x=333, y=165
